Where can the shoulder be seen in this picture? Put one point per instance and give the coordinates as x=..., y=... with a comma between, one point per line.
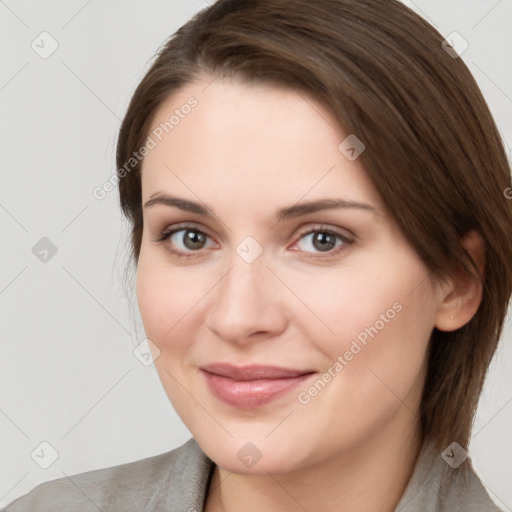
x=463, y=490
x=140, y=485
x=435, y=486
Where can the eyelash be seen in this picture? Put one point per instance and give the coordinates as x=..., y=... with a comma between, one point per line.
x=168, y=232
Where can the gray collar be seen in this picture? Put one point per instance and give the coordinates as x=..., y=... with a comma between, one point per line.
x=433, y=486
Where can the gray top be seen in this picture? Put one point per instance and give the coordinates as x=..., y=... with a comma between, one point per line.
x=177, y=481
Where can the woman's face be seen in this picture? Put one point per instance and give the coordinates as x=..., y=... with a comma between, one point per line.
x=334, y=291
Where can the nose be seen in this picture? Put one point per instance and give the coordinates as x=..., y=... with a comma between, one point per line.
x=248, y=304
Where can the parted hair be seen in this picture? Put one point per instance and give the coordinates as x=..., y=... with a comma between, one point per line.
x=432, y=148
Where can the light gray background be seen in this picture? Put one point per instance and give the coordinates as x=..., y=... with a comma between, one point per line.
x=69, y=377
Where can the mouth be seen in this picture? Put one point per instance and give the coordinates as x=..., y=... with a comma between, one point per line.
x=252, y=386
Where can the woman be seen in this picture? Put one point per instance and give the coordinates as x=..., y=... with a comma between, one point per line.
x=322, y=236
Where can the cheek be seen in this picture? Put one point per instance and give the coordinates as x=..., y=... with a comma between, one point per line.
x=173, y=302
x=153, y=294
x=164, y=297
x=376, y=318
x=373, y=364
x=338, y=305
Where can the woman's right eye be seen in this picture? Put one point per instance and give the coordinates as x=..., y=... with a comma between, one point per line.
x=183, y=241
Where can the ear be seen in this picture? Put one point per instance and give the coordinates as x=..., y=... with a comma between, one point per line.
x=463, y=294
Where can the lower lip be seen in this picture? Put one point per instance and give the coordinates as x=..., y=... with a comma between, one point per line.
x=251, y=393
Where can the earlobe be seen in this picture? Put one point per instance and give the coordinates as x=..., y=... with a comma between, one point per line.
x=464, y=293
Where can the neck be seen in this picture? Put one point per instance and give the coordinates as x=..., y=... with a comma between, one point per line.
x=373, y=475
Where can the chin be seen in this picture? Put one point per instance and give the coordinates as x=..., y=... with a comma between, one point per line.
x=259, y=457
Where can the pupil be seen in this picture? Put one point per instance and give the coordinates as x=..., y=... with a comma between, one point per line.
x=325, y=241
x=193, y=240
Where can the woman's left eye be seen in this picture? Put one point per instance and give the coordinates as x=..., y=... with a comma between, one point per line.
x=324, y=241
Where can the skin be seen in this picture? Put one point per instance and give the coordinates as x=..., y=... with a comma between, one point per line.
x=247, y=150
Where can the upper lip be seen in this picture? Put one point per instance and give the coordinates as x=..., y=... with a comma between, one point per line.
x=253, y=372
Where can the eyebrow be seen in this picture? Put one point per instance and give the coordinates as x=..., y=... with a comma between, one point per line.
x=288, y=212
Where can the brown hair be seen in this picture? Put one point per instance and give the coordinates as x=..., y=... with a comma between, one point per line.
x=432, y=148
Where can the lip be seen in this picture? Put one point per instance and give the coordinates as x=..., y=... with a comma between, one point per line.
x=246, y=387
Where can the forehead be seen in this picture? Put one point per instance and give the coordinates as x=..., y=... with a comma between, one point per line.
x=251, y=140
